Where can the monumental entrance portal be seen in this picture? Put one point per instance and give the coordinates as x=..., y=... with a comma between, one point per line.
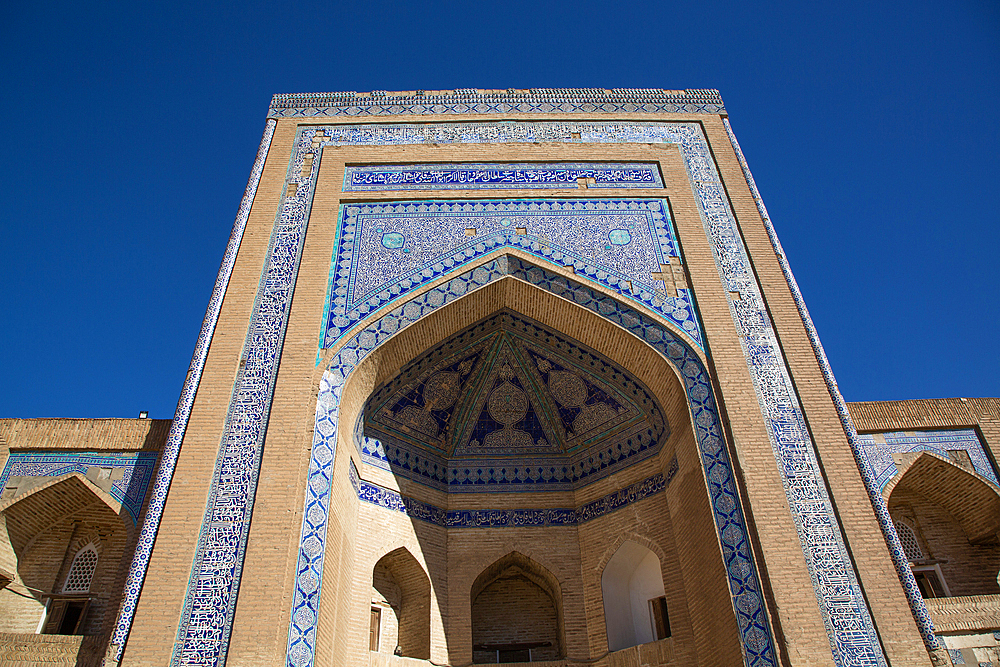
x=524, y=376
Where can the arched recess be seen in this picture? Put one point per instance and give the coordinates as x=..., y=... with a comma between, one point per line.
x=974, y=502
x=948, y=519
x=404, y=591
x=634, y=600
x=517, y=612
x=46, y=530
x=634, y=339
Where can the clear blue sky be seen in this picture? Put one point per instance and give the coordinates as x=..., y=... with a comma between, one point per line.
x=131, y=128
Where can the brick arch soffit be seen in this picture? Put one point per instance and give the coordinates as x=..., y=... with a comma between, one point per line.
x=101, y=496
x=515, y=558
x=630, y=536
x=981, y=485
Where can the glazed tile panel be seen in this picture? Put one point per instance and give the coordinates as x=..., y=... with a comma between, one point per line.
x=503, y=518
x=385, y=251
x=730, y=523
x=136, y=470
x=500, y=176
x=879, y=454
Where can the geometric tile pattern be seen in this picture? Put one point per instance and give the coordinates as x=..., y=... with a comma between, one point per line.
x=203, y=637
x=577, y=417
x=677, y=350
x=471, y=100
x=868, y=476
x=879, y=454
x=385, y=251
x=499, y=176
x=171, y=449
x=502, y=518
x=129, y=490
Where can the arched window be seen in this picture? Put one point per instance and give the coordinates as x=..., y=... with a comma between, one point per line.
x=911, y=547
x=401, y=606
x=81, y=572
x=635, y=606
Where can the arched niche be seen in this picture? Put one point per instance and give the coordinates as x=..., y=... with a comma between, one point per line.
x=632, y=588
x=662, y=359
x=517, y=613
x=401, y=592
x=948, y=520
x=45, y=531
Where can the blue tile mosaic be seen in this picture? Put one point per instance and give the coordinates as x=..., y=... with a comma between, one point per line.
x=501, y=518
x=620, y=244
x=879, y=454
x=130, y=489
x=171, y=449
x=499, y=176
x=868, y=476
x=582, y=417
x=471, y=101
x=730, y=522
x=203, y=639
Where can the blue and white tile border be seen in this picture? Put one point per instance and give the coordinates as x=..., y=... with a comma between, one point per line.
x=902, y=565
x=501, y=518
x=168, y=457
x=500, y=176
x=745, y=587
x=474, y=101
x=879, y=454
x=129, y=490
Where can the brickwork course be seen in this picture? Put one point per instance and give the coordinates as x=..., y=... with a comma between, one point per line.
x=448, y=592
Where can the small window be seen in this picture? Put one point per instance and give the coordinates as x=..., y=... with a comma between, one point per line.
x=81, y=572
x=373, y=632
x=929, y=582
x=908, y=538
x=658, y=615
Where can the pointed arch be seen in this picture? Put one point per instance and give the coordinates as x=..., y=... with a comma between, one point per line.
x=517, y=611
x=634, y=338
x=971, y=499
x=401, y=581
x=81, y=572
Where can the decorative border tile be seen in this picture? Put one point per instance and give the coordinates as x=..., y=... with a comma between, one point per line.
x=171, y=449
x=899, y=559
x=385, y=251
x=474, y=101
x=879, y=455
x=500, y=176
x=500, y=518
x=744, y=582
x=130, y=490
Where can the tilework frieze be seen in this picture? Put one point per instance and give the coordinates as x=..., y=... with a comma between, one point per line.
x=730, y=523
x=385, y=251
x=500, y=176
x=504, y=518
x=124, y=476
x=879, y=448
x=473, y=101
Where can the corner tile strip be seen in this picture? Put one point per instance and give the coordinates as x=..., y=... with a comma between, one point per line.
x=501, y=176
x=902, y=565
x=503, y=518
x=130, y=489
x=472, y=101
x=168, y=457
x=744, y=583
x=210, y=602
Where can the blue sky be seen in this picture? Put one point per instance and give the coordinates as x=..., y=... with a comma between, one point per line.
x=131, y=129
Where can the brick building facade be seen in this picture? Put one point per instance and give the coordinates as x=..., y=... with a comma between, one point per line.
x=505, y=376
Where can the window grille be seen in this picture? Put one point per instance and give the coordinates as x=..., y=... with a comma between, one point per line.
x=82, y=570
x=909, y=540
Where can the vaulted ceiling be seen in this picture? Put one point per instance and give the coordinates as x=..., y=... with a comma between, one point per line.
x=509, y=392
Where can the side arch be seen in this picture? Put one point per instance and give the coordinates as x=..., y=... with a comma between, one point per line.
x=363, y=362
x=402, y=582
x=632, y=580
x=976, y=507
